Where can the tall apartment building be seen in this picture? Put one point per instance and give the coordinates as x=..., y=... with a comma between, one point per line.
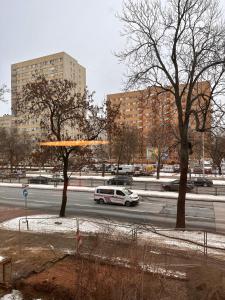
x=55, y=66
x=149, y=109
x=7, y=121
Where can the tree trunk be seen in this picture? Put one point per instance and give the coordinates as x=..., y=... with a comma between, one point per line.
x=119, y=158
x=220, y=170
x=103, y=169
x=65, y=185
x=158, y=166
x=184, y=155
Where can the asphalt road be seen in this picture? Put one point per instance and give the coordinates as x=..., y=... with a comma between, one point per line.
x=157, y=211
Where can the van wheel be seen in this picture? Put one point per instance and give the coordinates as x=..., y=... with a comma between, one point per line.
x=101, y=201
x=98, y=202
x=127, y=203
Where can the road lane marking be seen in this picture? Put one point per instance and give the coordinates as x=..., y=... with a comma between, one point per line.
x=9, y=198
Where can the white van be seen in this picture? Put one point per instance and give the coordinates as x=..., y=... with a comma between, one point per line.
x=119, y=195
x=123, y=169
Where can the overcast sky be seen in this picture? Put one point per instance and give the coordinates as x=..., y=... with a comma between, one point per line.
x=86, y=29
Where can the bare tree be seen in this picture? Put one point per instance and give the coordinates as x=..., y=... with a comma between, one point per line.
x=42, y=156
x=14, y=146
x=215, y=146
x=179, y=48
x=102, y=154
x=162, y=136
x=161, y=139
x=125, y=144
x=3, y=90
x=64, y=114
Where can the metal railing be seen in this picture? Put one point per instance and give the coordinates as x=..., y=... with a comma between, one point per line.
x=209, y=244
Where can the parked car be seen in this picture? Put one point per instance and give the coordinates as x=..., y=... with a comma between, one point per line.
x=117, y=195
x=197, y=170
x=56, y=178
x=202, y=181
x=120, y=180
x=174, y=186
x=208, y=170
x=17, y=174
x=167, y=169
x=39, y=180
x=143, y=171
x=176, y=169
x=4, y=175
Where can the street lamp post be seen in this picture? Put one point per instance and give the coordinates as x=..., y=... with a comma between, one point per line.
x=203, y=153
x=25, y=195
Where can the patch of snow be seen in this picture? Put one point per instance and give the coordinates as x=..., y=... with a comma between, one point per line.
x=15, y=295
x=2, y=258
x=53, y=223
x=174, y=238
x=153, y=268
x=163, y=271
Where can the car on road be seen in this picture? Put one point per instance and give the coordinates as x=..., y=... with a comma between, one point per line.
x=174, y=186
x=115, y=195
x=56, y=178
x=202, y=181
x=120, y=180
x=39, y=180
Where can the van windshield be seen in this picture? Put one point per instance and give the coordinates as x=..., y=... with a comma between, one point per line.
x=127, y=192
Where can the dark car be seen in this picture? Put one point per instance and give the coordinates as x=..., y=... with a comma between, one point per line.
x=197, y=170
x=176, y=169
x=56, y=178
x=120, y=180
x=39, y=180
x=17, y=174
x=174, y=186
x=201, y=181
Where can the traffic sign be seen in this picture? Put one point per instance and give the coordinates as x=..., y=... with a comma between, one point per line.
x=25, y=193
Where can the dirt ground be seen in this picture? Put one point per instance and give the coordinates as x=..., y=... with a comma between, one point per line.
x=89, y=279
x=45, y=266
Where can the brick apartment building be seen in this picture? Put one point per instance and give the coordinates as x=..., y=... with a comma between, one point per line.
x=149, y=109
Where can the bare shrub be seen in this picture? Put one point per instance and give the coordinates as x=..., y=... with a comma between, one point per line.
x=206, y=282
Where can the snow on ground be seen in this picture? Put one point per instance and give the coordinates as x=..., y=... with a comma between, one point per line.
x=15, y=295
x=51, y=224
x=183, y=240
x=2, y=258
x=177, y=239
